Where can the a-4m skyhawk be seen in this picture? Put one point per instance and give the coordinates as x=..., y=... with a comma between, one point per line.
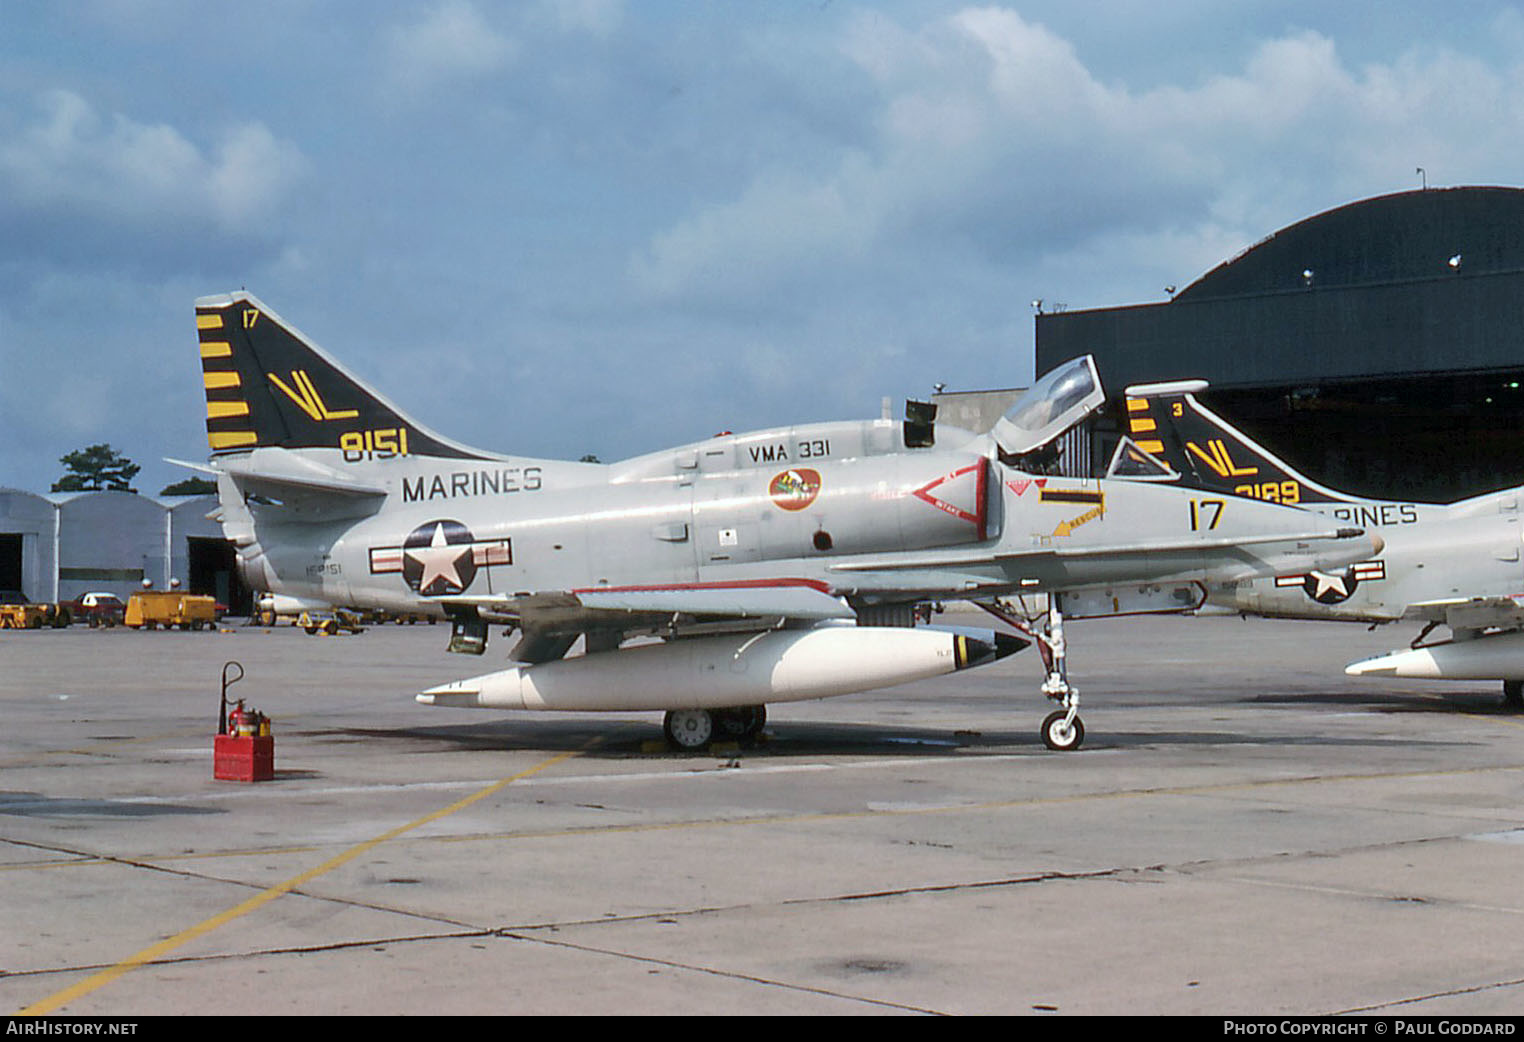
x=1451, y=564
x=773, y=566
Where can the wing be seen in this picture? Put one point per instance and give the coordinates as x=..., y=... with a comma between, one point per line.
x=1473, y=615
x=552, y=620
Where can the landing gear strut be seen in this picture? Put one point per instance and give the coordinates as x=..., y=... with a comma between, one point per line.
x=1062, y=730
x=742, y=724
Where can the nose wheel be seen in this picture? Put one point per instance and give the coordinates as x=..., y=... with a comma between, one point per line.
x=1062, y=731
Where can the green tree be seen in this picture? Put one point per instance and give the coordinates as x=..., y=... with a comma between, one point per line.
x=191, y=486
x=94, y=468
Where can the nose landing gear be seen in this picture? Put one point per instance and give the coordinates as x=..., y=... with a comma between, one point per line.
x=1062, y=730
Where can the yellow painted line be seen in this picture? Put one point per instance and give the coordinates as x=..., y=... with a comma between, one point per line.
x=1137, y=405
x=1143, y=424
x=1151, y=446
x=158, y=951
x=208, y=321
x=1500, y=719
x=1211, y=789
x=216, y=349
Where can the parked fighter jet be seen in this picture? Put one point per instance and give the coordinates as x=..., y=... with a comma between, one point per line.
x=776, y=565
x=1455, y=564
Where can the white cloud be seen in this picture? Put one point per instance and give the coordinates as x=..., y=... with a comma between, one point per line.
x=782, y=217
x=990, y=135
x=72, y=159
x=452, y=41
x=598, y=17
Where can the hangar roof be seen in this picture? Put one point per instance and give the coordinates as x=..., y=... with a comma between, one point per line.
x=1391, y=238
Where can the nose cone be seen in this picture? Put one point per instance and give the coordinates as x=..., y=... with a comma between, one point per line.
x=464, y=693
x=976, y=651
x=1005, y=644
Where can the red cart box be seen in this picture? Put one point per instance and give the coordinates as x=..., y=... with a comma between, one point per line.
x=243, y=758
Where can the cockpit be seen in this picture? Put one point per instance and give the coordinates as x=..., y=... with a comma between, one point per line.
x=1032, y=433
x=1060, y=399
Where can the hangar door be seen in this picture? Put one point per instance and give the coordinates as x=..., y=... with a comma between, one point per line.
x=10, y=560
x=214, y=570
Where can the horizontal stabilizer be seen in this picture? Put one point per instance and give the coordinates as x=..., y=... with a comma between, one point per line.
x=290, y=487
x=200, y=468
x=277, y=468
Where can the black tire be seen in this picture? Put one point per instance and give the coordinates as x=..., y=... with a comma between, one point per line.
x=1060, y=738
x=740, y=724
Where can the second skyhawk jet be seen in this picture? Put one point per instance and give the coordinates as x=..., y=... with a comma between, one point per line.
x=1456, y=564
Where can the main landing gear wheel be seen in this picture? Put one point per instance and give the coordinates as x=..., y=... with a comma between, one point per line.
x=1060, y=734
x=1513, y=694
x=741, y=724
x=689, y=728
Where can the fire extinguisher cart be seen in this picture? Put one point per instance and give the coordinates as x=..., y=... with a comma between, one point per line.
x=244, y=749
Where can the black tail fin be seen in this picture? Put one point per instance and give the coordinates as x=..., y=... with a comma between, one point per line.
x=269, y=386
x=1167, y=421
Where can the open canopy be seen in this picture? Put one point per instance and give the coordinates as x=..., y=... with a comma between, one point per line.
x=1063, y=397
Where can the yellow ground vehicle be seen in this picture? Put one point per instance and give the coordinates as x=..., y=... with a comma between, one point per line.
x=329, y=623
x=18, y=613
x=21, y=616
x=170, y=609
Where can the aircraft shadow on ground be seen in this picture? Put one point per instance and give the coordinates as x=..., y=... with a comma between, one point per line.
x=618, y=739
x=802, y=738
x=1416, y=701
x=35, y=804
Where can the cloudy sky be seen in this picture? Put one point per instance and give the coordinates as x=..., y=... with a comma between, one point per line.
x=591, y=226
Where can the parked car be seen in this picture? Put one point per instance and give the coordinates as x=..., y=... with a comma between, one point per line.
x=99, y=609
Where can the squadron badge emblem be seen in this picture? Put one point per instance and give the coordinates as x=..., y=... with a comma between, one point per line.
x=795, y=489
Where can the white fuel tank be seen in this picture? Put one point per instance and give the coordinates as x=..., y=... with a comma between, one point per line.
x=1498, y=657
x=733, y=670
